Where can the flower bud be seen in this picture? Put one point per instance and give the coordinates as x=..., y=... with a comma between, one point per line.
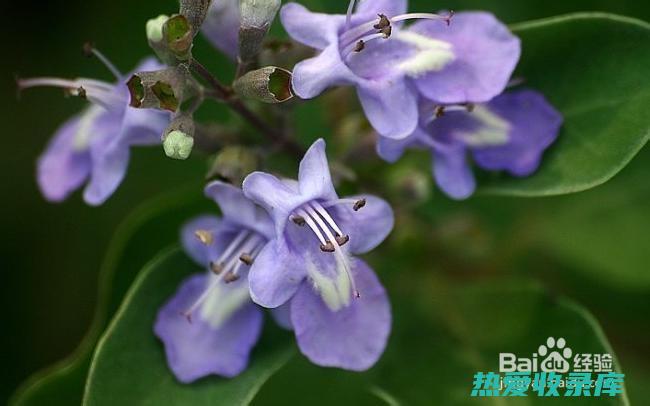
x=156, y=41
x=178, y=139
x=256, y=19
x=178, y=36
x=164, y=89
x=195, y=12
x=269, y=85
x=233, y=164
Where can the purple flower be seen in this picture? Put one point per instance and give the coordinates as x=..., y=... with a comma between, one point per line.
x=210, y=325
x=509, y=133
x=338, y=308
x=93, y=146
x=221, y=26
x=469, y=60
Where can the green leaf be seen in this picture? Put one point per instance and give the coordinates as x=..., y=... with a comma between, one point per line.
x=593, y=67
x=153, y=225
x=129, y=366
x=602, y=233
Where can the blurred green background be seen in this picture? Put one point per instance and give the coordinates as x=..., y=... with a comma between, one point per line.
x=51, y=253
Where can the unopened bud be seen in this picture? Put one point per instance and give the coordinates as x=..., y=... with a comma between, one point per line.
x=233, y=164
x=195, y=12
x=256, y=19
x=178, y=36
x=269, y=85
x=164, y=89
x=178, y=139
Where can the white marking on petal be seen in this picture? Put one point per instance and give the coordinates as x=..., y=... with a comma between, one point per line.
x=222, y=302
x=431, y=54
x=335, y=292
x=493, y=129
x=85, y=130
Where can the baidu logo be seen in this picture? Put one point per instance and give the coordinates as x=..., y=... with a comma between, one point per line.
x=552, y=356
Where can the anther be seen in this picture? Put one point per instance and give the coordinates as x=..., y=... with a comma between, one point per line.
x=327, y=247
x=383, y=22
x=470, y=107
x=299, y=220
x=359, y=204
x=246, y=259
x=87, y=49
x=341, y=240
x=216, y=267
x=448, y=17
x=361, y=45
x=386, y=31
x=204, y=236
x=439, y=111
x=357, y=294
x=188, y=316
x=230, y=277
x=81, y=92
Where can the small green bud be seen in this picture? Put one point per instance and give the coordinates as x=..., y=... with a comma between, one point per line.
x=256, y=19
x=178, y=145
x=155, y=37
x=269, y=85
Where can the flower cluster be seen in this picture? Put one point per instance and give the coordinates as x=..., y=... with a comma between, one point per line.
x=441, y=82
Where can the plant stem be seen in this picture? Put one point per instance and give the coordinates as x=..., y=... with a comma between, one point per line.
x=226, y=95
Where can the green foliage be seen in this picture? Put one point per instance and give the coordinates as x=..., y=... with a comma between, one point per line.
x=129, y=366
x=593, y=68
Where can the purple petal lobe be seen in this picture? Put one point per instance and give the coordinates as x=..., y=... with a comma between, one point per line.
x=312, y=76
x=62, y=169
x=282, y=316
x=452, y=171
x=391, y=150
x=275, y=275
x=352, y=338
x=366, y=227
x=221, y=26
x=485, y=51
x=390, y=8
x=198, y=349
x=391, y=107
x=316, y=30
x=534, y=126
x=274, y=195
x=238, y=209
x=314, y=174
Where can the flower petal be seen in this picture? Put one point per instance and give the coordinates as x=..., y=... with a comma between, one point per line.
x=238, y=209
x=486, y=53
x=274, y=195
x=452, y=171
x=390, y=8
x=275, y=275
x=143, y=127
x=61, y=169
x=197, y=349
x=390, y=106
x=368, y=226
x=221, y=26
x=282, y=316
x=352, y=338
x=316, y=30
x=312, y=76
x=314, y=174
x=535, y=125
x=194, y=248
x=391, y=150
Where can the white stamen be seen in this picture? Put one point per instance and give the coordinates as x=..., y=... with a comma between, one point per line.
x=338, y=252
x=320, y=210
x=312, y=225
x=421, y=16
x=337, y=202
x=234, y=244
x=352, y=47
x=431, y=55
x=348, y=17
x=109, y=65
x=96, y=91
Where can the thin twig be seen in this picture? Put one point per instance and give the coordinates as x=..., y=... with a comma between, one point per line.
x=226, y=95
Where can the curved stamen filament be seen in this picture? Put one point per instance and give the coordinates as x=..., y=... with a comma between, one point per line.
x=353, y=35
x=324, y=214
x=348, y=17
x=338, y=251
x=352, y=48
x=96, y=91
x=312, y=225
x=106, y=62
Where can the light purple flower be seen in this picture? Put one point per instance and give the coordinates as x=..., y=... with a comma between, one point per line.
x=93, y=146
x=509, y=133
x=221, y=26
x=339, y=309
x=468, y=60
x=210, y=325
